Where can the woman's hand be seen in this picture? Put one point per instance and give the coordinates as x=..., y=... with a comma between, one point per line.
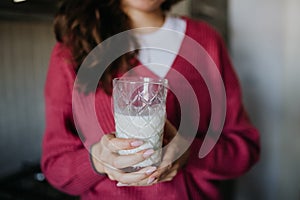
x=168, y=170
x=172, y=162
x=106, y=160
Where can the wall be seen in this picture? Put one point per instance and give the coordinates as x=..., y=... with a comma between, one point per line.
x=24, y=55
x=289, y=180
x=182, y=8
x=265, y=38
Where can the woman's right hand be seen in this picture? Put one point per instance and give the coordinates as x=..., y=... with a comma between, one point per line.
x=106, y=160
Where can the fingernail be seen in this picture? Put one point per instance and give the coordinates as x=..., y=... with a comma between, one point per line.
x=150, y=180
x=150, y=170
x=136, y=143
x=119, y=184
x=148, y=153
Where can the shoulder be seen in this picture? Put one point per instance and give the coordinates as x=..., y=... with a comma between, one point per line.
x=62, y=52
x=61, y=72
x=202, y=32
x=197, y=26
x=209, y=39
x=61, y=59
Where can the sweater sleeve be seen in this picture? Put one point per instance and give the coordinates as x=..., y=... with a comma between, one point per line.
x=237, y=149
x=65, y=161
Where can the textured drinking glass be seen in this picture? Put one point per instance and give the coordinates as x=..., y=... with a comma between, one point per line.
x=140, y=113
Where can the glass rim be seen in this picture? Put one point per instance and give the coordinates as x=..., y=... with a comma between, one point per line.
x=142, y=79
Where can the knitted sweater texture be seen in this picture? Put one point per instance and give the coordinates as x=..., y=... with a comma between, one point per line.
x=66, y=160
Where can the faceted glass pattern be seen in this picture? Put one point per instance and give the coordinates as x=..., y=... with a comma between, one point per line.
x=140, y=112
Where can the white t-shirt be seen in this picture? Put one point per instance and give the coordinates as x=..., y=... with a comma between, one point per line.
x=159, y=61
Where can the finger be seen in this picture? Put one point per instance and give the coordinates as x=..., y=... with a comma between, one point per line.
x=144, y=182
x=116, y=144
x=135, y=178
x=168, y=175
x=157, y=174
x=112, y=173
x=164, y=168
x=124, y=161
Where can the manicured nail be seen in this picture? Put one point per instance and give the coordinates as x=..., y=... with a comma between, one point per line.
x=150, y=170
x=119, y=184
x=148, y=153
x=150, y=180
x=136, y=143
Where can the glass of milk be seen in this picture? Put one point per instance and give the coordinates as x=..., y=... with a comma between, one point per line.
x=140, y=113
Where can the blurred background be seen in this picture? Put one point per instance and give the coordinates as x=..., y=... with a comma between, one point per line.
x=263, y=38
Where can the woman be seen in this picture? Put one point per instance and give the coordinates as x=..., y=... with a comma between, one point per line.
x=82, y=25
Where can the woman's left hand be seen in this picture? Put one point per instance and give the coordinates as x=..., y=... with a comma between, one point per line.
x=170, y=166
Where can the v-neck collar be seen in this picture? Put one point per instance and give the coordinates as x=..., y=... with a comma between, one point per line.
x=150, y=73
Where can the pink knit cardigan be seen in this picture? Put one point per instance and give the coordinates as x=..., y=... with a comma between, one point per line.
x=66, y=162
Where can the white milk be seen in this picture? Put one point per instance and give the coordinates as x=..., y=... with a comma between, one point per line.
x=146, y=128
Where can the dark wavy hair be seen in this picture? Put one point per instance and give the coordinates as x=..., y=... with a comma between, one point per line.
x=83, y=24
